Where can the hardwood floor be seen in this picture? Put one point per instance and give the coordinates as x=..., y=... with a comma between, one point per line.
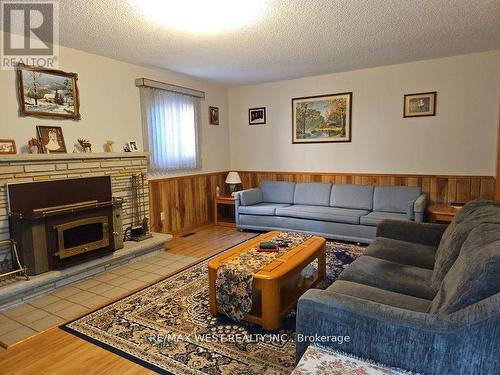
x=58, y=352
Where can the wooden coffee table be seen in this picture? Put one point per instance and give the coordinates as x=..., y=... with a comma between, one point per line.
x=278, y=286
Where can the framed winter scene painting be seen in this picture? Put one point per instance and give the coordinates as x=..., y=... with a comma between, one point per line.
x=322, y=118
x=47, y=93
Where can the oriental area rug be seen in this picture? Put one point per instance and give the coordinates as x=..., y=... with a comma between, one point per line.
x=167, y=327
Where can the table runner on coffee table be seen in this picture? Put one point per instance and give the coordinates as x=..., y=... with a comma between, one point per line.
x=235, y=276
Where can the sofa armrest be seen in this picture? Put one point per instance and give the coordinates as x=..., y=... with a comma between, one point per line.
x=415, y=341
x=422, y=233
x=249, y=197
x=420, y=208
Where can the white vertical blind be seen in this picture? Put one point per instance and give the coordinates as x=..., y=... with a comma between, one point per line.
x=170, y=127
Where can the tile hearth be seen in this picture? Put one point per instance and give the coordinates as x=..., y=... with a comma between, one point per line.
x=69, y=302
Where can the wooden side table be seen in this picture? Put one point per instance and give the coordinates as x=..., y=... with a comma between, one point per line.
x=224, y=211
x=441, y=213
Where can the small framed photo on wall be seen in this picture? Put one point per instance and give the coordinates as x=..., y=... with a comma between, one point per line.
x=257, y=116
x=420, y=104
x=7, y=146
x=213, y=115
x=51, y=138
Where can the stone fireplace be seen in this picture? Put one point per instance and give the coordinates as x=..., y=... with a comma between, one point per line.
x=29, y=168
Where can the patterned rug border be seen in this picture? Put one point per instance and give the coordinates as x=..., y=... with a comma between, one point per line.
x=119, y=352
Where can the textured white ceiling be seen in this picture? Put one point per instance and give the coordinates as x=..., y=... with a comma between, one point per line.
x=297, y=38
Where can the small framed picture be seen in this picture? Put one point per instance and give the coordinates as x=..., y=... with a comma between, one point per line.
x=132, y=146
x=213, y=115
x=7, y=146
x=420, y=104
x=51, y=138
x=257, y=116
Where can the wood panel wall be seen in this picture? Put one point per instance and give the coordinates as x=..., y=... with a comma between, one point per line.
x=441, y=189
x=188, y=201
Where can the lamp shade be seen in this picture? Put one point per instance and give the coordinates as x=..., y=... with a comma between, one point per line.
x=233, y=178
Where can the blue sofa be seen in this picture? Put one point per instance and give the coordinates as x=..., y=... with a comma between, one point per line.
x=343, y=212
x=423, y=297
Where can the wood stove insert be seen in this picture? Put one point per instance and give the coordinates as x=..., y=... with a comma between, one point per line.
x=61, y=223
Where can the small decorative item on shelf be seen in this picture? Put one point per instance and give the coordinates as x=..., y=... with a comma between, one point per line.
x=126, y=148
x=268, y=247
x=109, y=146
x=132, y=146
x=86, y=145
x=7, y=146
x=233, y=179
x=217, y=191
x=34, y=146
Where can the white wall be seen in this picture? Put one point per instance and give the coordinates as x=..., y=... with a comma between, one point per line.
x=460, y=139
x=110, y=107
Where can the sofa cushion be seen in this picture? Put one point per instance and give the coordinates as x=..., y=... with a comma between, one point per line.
x=267, y=209
x=394, y=198
x=338, y=215
x=277, y=191
x=378, y=295
x=250, y=196
x=395, y=277
x=315, y=194
x=374, y=218
x=402, y=252
x=470, y=208
x=475, y=275
x=352, y=196
x=456, y=234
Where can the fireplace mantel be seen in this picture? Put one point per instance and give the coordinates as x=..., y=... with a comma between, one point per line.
x=71, y=156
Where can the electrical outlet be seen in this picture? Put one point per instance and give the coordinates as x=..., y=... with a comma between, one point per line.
x=162, y=216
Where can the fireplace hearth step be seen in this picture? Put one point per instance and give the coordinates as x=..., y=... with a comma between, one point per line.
x=21, y=291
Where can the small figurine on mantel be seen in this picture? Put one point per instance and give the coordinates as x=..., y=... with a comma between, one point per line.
x=35, y=146
x=86, y=146
x=109, y=146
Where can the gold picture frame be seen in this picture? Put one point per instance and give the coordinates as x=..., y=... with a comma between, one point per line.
x=47, y=93
x=322, y=118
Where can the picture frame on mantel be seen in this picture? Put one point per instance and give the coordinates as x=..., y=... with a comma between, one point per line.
x=322, y=118
x=47, y=93
x=52, y=139
x=420, y=104
x=7, y=147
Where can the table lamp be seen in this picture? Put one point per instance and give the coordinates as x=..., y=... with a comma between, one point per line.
x=233, y=179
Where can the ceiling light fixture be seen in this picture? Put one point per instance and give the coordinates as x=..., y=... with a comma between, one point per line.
x=202, y=16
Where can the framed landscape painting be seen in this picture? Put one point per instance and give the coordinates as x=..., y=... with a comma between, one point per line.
x=47, y=93
x=322, y=119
